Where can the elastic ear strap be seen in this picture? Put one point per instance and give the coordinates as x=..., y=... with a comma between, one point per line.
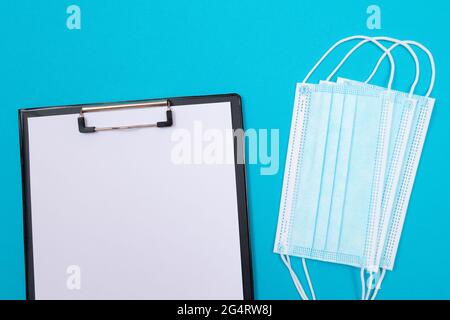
x=430, y=57
x=378, y=286
x=432, y=64
x=391, y=79
x=369, y=289
x=311, y=288
x=411, y=52
x=363, y=285
x=298, y=285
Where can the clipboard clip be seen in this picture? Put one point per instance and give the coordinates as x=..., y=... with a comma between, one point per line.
x=83, y=128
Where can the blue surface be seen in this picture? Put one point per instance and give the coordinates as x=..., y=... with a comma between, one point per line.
x=144, y=49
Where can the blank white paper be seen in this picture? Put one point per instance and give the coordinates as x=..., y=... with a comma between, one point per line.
x=137, y=225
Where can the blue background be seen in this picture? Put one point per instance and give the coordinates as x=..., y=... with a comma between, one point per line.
x=138, y=49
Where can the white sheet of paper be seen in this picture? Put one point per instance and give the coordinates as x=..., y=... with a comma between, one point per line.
x=137, y=226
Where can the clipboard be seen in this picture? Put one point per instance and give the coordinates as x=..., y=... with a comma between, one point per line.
x=108, y=214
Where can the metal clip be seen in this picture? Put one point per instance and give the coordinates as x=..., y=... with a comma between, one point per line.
x=83, y=128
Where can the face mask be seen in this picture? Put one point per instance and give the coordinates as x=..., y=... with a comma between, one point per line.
x=403, y=111
x=333, y=183
x=416, y=140
x=411, y=116
x=414, y=148
x=402, y=119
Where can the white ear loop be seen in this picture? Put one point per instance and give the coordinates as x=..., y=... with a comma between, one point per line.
x=391, y=78
x=308, y=279
x=430, y=57
x=398, y=42
x=287, y=261
x=369, y=289
x=363, y=285
x=298, y=285
x=378, y=285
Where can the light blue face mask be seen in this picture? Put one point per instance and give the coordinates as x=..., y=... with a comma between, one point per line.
x=335, y=169
x=403, y=111
x=411, y=116
x=414, y=146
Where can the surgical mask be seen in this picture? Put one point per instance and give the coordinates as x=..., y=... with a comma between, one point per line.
x=416, y=140
x=411, y=116
x=403, y=111
x=334, y=175
x=402, y=119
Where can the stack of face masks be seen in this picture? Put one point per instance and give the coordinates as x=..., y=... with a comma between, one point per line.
x=353, y=154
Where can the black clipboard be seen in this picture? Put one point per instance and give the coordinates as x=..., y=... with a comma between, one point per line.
x=237, y=123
